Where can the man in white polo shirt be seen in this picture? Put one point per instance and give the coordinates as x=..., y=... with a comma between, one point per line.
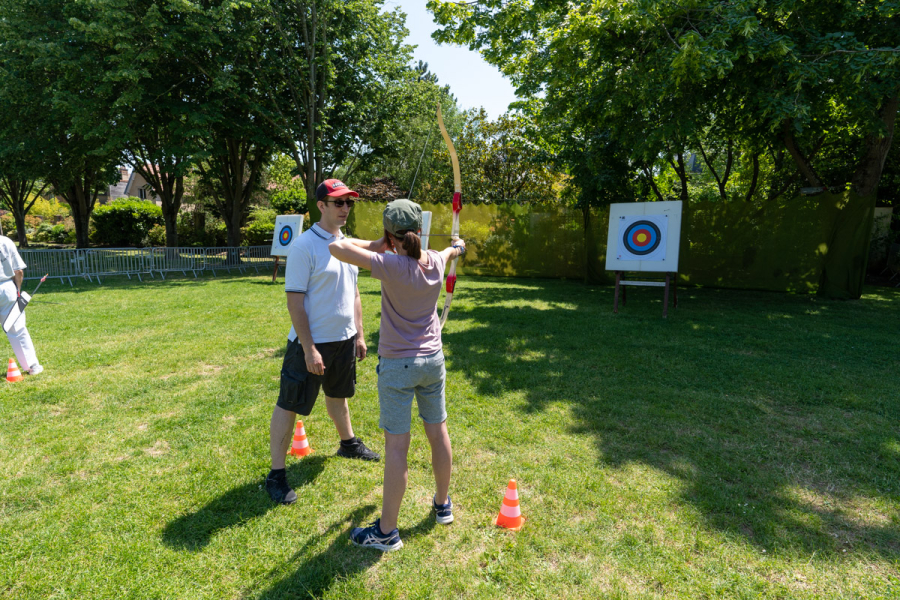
x=326, y=337
x=12, y=272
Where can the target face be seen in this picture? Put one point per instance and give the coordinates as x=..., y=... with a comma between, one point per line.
x=641, y=238
x=286, y=235
x=287, y=228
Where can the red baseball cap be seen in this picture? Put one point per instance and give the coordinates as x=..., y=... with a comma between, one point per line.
x=334, y=188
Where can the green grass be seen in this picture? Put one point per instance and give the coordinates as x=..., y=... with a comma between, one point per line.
x=747, y=447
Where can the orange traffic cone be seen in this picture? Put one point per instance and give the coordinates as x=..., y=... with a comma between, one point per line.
x=510, y=516
x=300, y=447
x=12, y=372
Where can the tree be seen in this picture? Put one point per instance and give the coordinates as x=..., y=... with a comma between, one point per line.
x=240, y=137
x=777, y=75
x=499, y=161
x=286, y=193
x=20, y=156
x=66, y=110
x=337, y=83
x=171, y=64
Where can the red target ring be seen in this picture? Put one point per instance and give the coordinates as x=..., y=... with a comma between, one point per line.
x=642, y=238
x=287, y=234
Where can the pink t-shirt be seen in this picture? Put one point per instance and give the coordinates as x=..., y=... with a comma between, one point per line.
x=409, y=294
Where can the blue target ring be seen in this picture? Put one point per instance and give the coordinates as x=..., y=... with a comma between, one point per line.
x=286, y=235
x=641, y=238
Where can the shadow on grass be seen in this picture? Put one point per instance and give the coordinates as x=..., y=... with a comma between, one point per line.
x=776, y=412
x=341, y=559
x=193, y=532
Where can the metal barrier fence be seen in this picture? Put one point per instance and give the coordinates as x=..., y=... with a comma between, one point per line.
x=107, y=262
x=59, y=264
x=93, y=263
x=171, y=260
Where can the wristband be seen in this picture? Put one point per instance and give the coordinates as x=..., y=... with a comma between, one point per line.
x=461, y=249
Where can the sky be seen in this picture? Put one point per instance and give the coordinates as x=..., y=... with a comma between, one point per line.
x=474, y=82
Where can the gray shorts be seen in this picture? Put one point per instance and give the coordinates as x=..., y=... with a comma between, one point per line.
x=399, y=379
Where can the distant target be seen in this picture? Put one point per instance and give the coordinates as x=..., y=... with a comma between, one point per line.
x=641, y=238
x=286, y=235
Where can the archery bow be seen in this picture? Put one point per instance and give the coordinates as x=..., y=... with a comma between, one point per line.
x=18, y=308
x=457, y=207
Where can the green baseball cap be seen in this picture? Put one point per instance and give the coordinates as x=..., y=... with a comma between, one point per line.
x=402, y=215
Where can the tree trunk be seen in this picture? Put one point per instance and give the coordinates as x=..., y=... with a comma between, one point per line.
x=81, y=198
x=844, y=267
x=868, y=173
x=165, y=185
x=754, y=179
x=844, y=271
x=82, y=216
x=594, y=271
x=170, y=199
x=803, y=163
x=14, y=195
x=20, y=227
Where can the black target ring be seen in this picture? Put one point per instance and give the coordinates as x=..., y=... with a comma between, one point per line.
x=286, y=235
x=642, y=238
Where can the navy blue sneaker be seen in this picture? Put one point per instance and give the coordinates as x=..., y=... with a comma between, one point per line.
x=443, y=512
x=371, y=537
x=279, y=490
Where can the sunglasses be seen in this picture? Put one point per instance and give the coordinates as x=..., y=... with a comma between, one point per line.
x=341, y=203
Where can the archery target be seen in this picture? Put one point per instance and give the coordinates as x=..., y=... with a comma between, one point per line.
x=644, y=236
x=641, y=237
x=287, y=228
x=287, y=234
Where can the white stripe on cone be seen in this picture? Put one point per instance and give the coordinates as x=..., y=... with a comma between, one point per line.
x=510, y=511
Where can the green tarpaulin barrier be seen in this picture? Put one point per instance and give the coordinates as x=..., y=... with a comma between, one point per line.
x=807, y=244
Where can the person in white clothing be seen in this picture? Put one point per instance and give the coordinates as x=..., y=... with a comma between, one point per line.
x=12, y=272
x=325, y=341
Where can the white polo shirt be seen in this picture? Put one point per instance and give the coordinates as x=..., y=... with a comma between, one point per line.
x=10, y=261
x=329, y=285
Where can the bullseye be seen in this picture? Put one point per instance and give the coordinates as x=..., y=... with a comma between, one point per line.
x=641, y=238
x=286, y=235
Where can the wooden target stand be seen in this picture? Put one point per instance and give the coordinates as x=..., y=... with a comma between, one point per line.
x=275, y=272
x=644, y=238
x=671, y=280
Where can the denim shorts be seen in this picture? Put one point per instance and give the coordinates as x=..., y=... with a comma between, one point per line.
x=399, y=379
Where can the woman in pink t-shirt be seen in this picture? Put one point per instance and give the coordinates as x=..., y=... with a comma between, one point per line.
x=411, y=360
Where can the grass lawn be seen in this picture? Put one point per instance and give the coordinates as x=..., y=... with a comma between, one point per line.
x=747, y=447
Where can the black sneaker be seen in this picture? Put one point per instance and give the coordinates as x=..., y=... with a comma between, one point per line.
x=371, y=537
x=279, y=490
x=443, y=513
x=358, y=450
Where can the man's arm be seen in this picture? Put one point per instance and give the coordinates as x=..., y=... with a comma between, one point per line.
x=361, y=347
x=18, y=277
x=300, y=321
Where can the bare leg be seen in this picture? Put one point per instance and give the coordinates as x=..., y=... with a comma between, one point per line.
x=340, y=414
x=441, y=459
x=396, y=474
x=280, y=429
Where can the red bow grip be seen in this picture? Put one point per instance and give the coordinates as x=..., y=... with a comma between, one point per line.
x=451, y=283
x=457, y=202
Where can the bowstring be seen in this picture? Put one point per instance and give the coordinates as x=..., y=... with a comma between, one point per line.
x=425, y=147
